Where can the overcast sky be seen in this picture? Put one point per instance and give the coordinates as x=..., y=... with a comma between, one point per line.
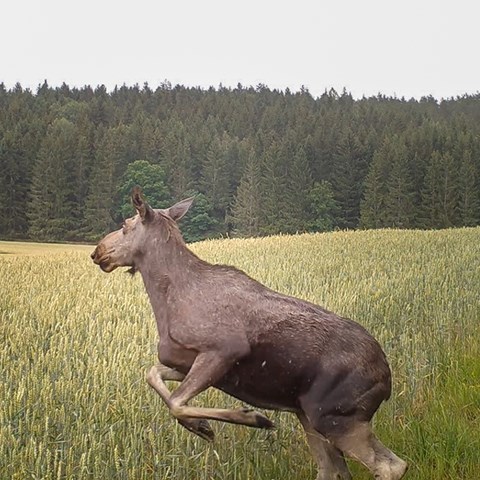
x=404, y=48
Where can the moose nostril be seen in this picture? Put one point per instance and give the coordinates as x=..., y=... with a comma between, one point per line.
x=92, y=255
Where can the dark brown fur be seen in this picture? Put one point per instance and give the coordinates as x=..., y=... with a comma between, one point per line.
x=219, y=327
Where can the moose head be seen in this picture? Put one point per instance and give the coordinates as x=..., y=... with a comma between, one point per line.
x=146, y=230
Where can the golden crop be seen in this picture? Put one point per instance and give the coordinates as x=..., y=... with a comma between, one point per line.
x=76, y=343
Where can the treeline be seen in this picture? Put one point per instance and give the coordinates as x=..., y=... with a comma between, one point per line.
x=259, y=161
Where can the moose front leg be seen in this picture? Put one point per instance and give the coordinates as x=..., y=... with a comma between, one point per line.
x=207, y=369
x=156, y=379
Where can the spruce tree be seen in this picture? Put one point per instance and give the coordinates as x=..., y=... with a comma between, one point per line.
x=449, y=192
x=199, y=224
x=14, y=184
x=176, y=157
x=440, y=195
x=247, y=207
x=214, y=180
x=469, y=191
x=374, y=205
x=299, y=183
x=399, y=208
x=102, y=203
x=53, y=207
x=349, y=170
x=273, y=186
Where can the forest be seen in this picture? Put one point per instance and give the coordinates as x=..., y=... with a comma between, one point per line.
x=258, y=161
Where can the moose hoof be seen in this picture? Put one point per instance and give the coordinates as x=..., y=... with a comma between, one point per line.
x=256, y=419
x=263, y=421
x=199, y=427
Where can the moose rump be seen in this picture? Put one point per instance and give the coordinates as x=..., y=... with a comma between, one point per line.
x=220, y=328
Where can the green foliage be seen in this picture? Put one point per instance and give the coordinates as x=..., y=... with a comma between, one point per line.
x=199, y=223
x=247, y=209
x=399, y=192
x=176, y=157
x=374, y=204
x=53, y=208
x=273, y=184
x=64, y=153
x=14, y=183
x=100, y=212
x=323, y=207
x=152, y=180
x=215, y=179
x=469, y=191
x=389, y=191
x=349, y=170
x=299, y=182
x=440, y=196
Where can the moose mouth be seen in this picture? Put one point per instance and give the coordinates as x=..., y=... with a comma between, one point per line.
x=104, y=263
x=103, y=260
x=106, y=266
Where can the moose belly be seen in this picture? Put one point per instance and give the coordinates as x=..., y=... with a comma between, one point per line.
x=264, y=383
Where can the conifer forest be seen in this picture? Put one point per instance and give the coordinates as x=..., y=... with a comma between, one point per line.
x=258, y=161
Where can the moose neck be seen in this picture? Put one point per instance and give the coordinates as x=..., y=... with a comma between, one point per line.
x=167, y=264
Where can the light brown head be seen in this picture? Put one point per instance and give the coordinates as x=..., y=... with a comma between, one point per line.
x=148, y=229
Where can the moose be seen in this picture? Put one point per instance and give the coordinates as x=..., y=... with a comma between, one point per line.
x=220, y=328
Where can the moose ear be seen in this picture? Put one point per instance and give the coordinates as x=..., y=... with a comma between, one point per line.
x=177, y=211
x=143, y=208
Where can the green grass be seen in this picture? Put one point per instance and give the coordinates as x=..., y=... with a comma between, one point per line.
x=75, y=344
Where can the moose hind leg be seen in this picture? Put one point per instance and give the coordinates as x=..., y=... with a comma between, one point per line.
x=156, y=379
x=330, y=461
x=344, y=419
x=360, y=444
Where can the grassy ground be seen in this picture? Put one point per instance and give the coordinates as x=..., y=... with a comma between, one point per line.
x=75, y=344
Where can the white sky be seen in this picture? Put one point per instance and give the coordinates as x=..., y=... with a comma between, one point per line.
x=407, y=47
